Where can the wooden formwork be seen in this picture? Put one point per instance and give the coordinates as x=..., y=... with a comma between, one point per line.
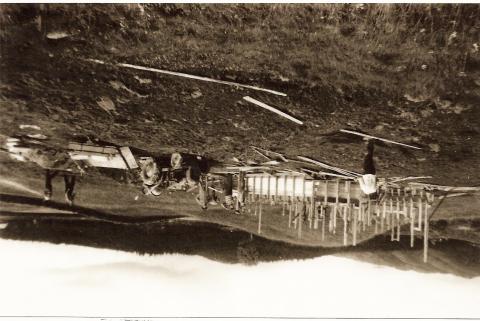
x=328, y=204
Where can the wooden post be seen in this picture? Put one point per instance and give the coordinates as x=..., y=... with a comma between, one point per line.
x=323, y=211
x=397, y=238
x=316, y=215
x=345, y=211
x=290, y=213
x=362, y=217
x=295, y=213
x=390, y=221
x=355, y=225
x=369, y=213
x=420, y=211
x=260, y=219
x=337, y=191
x=392, y=227
x=384, y=214
x=300, y=220
x=412, y=220
x=425, y=236
x=276, y=188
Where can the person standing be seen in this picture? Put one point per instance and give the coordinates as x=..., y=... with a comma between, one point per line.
x=69, y=180
x=368, y=181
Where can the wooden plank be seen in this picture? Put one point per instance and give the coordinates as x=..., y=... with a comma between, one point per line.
x=184, y=75
x=333, y=168
x=378, y=138
x=272, y=109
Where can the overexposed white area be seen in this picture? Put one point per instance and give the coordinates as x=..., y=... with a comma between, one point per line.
x=47, y=279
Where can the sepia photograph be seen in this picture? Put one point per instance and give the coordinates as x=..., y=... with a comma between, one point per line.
x=239, y=160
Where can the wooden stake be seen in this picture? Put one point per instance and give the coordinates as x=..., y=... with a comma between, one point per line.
x=260, y=219
x=355, y=225
x=425, y=236
x=290, y=213
x=345, y=210
x=323, y=222
x=420, y=210
x=412, y=221
x=337, y=191
x=300, y=220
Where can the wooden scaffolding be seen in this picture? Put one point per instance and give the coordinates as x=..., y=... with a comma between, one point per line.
x=338, y=206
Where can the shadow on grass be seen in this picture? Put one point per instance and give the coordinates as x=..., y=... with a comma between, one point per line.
x=83, y=211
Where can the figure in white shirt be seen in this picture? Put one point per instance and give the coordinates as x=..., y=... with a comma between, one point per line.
x=368, y=182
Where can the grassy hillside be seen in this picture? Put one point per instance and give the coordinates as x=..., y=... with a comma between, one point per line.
x=404, y=72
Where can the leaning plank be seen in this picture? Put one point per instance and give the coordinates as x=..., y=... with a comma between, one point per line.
x=336, y=169
x=181, y=74
x=272, y=109
x=409, y=178
x=374, y=137
x=447, y=188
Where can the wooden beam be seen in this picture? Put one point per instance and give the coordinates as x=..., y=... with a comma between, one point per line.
x=272, y=109
x=378, y=138
x=184, y=75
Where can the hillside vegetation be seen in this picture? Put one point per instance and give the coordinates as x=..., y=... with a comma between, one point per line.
x=406, y=72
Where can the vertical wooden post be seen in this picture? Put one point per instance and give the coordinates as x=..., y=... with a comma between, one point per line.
x=397, y=238
x=392, y=226
x=362, y=217
x=384, y=214
x=355, y=225
x=269, y=192
x=276, y=189
x=337, y=191
x=345, y=211
x=300, y=220
x=316, y=215
x=420, y=210
x=412, y=219
x=324, y=217
x=295, y=214
x=260, y=219
x=369, y=213
x=391, y=211
x=290, y=213
x=425, y=236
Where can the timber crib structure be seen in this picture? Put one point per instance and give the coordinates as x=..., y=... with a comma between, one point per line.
x=338, y=206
